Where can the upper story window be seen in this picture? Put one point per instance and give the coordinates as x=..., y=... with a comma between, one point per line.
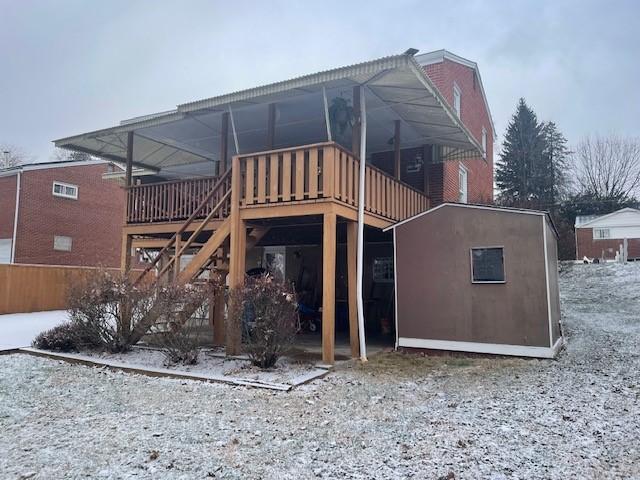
x=601, y=233
x=484, y=141
x=65, y=190
x=457, y=98
x=462, y=185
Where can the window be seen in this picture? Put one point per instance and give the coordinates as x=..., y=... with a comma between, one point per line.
x=601, y=233
x=457, y=99
x=484, y=141
x=61, y=243
x=487, y=265
x=462, y=184
x=383, y=269
x=65, y=190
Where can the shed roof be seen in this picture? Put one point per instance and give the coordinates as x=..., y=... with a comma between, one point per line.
x=523, y=211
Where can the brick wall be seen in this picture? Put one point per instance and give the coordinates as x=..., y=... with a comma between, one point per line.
x=93, y=221
x=7, y=205
x=475, y=116
x=587, y=246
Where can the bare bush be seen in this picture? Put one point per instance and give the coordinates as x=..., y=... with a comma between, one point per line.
x=107, y=307
x=67, y=337
x=178, y=336
x=266, y=310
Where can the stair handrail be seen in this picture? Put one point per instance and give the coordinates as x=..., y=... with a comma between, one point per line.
x=189, y=221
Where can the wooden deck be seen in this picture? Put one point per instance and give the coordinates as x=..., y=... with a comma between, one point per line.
x=320, y=179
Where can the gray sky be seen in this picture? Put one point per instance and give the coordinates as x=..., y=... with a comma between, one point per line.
x=71, y=66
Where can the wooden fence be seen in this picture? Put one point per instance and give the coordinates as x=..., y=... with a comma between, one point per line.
x=36, y=288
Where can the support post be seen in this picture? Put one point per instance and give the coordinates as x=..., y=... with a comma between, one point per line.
x=224, y=143
x=352, y=246
x=238, y=245
x=328, y=287
x=355, y=132
x=396, y=150
x=176, y=260
x=125, y=253
x=360, y=260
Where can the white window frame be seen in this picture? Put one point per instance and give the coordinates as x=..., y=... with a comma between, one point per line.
x=463, y=184
x=457, y=99
x=598, y=233
x=484, y=142
x=64, y=194
x=504, y=269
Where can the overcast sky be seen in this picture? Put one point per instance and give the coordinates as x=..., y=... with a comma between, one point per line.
x=71, y=66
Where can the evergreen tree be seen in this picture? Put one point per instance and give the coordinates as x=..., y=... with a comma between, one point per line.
x=554, y=181
x=519, y=169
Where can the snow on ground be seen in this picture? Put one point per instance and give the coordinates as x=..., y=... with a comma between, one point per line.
x=19, y=329
x=400, y=416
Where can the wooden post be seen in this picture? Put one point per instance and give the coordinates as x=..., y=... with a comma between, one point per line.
x=125, y=253
x=224, y=144
x=238, y=241
x=352, y=241
x=271, y=126
x=396, y=150
x=176, y=260
x=328, y=287
x=355, y=132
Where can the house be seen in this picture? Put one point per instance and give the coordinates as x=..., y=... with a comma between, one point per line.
x=269, y=177
x=495, y=287
x=602, y=236
x=61, y=213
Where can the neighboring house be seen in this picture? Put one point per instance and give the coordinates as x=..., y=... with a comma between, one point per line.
x=497, y=281
x=61, y=213
x=269, y=177
x=602, y=236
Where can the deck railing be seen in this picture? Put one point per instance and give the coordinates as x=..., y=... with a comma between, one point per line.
x=170, y=201
x=324, y=171
x=316, y=172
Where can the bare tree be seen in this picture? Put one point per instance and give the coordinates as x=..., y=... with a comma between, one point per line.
x=10, y=156
x=608, y=167
x=61, y=155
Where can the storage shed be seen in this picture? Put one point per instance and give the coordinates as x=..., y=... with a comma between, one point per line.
x=475, y=278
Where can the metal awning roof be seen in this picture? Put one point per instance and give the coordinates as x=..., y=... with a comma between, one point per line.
x=396, y=88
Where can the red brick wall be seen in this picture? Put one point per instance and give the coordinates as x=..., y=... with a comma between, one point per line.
x=93, y=221
x=475, y=116
x=586, y=246
x=7, y=205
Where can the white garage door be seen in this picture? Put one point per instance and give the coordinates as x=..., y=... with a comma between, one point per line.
x=5, y=250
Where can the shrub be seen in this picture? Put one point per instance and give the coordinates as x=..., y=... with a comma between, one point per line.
x=178, y=336
x=66, y=337
x=107, y=308
x=266, y=310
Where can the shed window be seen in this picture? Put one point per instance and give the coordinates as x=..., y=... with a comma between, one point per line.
x=487, y=265
x=65, y=190
x=601, y=233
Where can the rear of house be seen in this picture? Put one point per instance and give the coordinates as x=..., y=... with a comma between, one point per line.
x=605, y=236
x=61, y=213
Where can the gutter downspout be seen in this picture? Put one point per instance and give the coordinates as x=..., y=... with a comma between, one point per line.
x=15, y=218
x=360, y=253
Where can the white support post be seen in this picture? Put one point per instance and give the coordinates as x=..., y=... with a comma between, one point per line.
x=326, y=113
x=235, y=133
x=361, y=197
